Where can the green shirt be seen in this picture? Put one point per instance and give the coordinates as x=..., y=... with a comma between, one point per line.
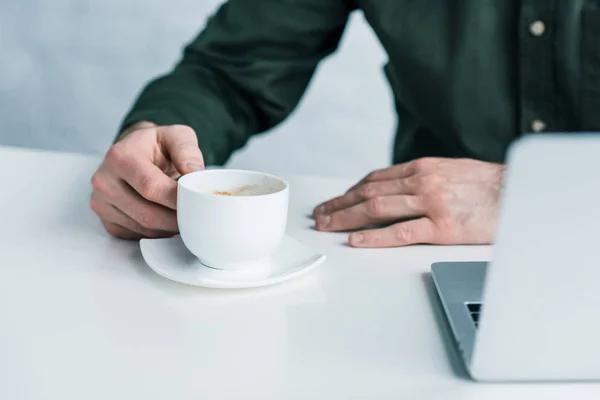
x=468, y=76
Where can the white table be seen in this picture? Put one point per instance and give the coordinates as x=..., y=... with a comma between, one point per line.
x=83, y=317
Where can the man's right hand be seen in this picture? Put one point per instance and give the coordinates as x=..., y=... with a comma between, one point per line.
x=134, y=190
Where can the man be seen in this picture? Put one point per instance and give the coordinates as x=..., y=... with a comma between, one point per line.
x=468, y=78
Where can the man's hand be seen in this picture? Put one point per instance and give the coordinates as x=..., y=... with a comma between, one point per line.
x=134, y=190
x=430, y=200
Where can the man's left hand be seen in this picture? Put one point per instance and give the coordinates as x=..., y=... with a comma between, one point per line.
x=429, y=201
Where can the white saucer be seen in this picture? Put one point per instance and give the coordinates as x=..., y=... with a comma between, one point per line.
x=172, y=260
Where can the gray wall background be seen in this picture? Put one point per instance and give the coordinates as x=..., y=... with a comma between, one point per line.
x=69, y=69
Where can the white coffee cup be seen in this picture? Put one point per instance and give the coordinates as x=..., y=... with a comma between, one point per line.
x=237, y=229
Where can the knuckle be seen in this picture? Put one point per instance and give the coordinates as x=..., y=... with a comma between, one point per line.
x=429, y=182
x=414, y=203
x=418, y=182
x=367, y=191
x=148, y=220
x=99, y=183
x=116, y=154
x=420, y=163
x=403, y=234
x=372, y=176
x=424, y=164
x=425, y=161
x=439, y=197
x=376, y=205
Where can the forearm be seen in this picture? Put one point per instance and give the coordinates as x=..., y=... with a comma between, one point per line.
x=245, y=72
x=192, y=95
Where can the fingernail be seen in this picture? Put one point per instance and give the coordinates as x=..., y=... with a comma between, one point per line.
x=194, y=166
x=356, y=238
x=323, y=221
x=320, y=209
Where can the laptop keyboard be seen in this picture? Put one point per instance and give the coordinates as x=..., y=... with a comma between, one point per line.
x=474, y=311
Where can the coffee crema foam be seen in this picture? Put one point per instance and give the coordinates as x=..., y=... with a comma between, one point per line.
x=246, y=190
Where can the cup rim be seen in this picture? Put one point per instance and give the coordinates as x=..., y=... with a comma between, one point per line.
x=181, y=182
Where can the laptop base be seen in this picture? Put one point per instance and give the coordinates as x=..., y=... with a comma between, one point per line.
x=460, y=288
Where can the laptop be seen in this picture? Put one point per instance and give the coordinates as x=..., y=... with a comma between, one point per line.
x=532, y=313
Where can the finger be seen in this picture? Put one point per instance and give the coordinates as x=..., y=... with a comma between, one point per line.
x=112, y=214
x=109, y=190
x=181, y=145
x=397, y=171
x=150, y=216
x=122, y=219
x=120, y=232
x=365, y=191
x=421, y=230
x=150, y=182
x=373, y=211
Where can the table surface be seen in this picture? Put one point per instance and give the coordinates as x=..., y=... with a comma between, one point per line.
x=83, y=317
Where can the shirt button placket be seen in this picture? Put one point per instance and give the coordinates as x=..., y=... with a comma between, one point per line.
x=537, y=47
x=537, y=28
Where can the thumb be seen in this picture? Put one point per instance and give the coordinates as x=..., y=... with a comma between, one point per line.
x=181, y=145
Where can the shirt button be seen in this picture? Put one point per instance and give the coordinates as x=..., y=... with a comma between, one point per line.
x=538, y=126
x=537, y=28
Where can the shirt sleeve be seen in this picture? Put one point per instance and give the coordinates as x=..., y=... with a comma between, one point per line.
x=245, y=72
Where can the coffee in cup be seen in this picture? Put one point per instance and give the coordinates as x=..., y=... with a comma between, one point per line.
x=232, y=219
